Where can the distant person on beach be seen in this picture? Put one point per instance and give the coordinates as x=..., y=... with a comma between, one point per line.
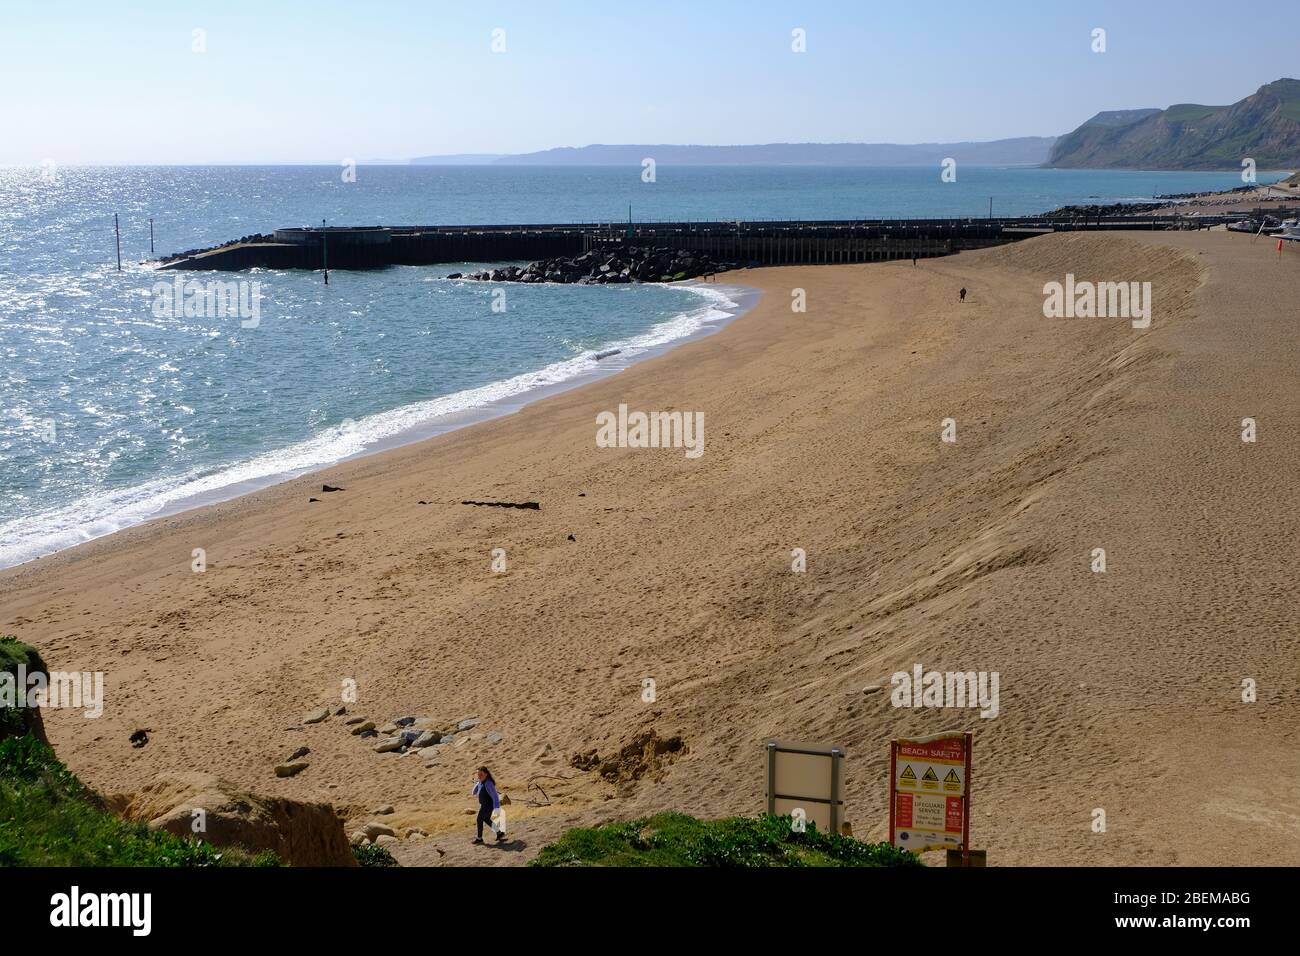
x=488, y=800
x=961, y=296
x=914, y=260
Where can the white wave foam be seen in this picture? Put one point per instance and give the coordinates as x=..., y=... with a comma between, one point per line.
x=25, y=539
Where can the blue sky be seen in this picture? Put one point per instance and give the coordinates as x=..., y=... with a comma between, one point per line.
x=103, y=82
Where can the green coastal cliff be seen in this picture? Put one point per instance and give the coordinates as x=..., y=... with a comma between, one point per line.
x=1264, y=126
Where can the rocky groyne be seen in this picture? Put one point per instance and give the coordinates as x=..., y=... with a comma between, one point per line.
x=609, y=266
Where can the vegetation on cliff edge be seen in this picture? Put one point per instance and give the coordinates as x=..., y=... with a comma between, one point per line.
x=675, y=839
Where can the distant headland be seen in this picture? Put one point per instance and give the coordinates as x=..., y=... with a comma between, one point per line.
x=1263, y=127
x=1021, y=151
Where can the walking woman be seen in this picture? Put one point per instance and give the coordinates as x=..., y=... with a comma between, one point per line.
x=488, y=800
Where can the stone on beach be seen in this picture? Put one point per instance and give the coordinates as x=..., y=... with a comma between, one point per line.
x=372, y=830
x=427, y=738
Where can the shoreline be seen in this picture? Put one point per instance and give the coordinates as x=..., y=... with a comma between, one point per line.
x=823, y=435
x=735, y=302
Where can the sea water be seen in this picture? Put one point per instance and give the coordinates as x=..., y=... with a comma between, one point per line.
x=113, y=411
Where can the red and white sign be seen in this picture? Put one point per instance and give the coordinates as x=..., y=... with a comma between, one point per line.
x=929, y=793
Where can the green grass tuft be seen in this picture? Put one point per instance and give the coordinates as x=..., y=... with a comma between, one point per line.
x=675, y=839
x=13, y=652
x=371, y=854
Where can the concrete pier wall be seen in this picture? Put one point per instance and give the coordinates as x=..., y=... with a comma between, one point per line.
x=747, y=243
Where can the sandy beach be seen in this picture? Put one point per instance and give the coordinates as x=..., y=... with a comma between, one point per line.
x=1119, y=690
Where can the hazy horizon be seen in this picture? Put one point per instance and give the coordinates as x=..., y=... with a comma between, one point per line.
x=242, y=83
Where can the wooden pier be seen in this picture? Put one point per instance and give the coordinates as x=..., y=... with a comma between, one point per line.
x=754, y=243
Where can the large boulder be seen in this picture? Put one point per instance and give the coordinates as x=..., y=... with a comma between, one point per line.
x=301, y=833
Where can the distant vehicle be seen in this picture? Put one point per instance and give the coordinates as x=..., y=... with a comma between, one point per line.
x=1290, y=230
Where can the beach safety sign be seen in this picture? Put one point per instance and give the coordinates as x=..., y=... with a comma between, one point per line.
x=929, y=793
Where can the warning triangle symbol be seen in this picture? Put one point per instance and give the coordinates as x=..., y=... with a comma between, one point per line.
x=930, y=774
x=952, y=777
x=907, y=773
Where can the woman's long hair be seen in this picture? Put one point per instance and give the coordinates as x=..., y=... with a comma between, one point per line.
x=489, y=775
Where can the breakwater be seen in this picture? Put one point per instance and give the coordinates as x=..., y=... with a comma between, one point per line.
x=789, y=242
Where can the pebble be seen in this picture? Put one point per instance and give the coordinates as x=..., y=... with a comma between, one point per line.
x=290, y=769
x=362, y=727
x=467, y=724
x=494, y=738
x=300, y=752
x=354, y=720
x=382, y=811
x=388, y=744
x=316, y=716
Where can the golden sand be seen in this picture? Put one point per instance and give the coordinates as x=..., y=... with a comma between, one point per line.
x=1120, y=691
